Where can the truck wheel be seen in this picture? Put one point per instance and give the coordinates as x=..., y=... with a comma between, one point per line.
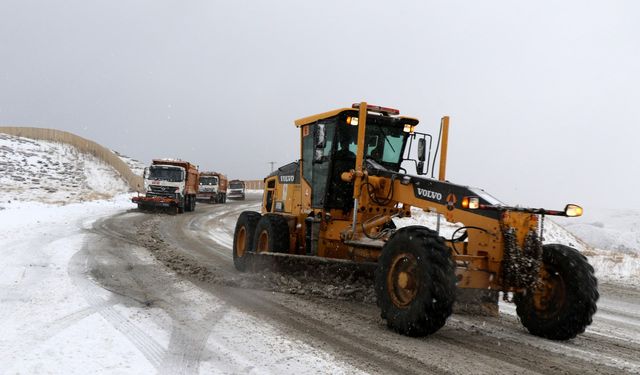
x=564, y=303
x=415, y=282
x=272, y=234
x=193, y=203
x=182, y=205
x=224, y=198
x=188, y=205
x=243, y=238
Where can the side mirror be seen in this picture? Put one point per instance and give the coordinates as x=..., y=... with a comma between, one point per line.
x=420, y=167
x=422, y=145
x=146, y=172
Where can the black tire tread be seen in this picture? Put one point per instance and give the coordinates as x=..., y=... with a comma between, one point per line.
x=249, y=219
x=429, y=311
x=581, y=291
x=278, y=229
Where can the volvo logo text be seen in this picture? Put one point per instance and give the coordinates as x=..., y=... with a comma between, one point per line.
x=424, y=193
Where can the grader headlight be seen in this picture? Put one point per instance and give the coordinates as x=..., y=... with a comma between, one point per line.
x=472, y=203
x=573, y=210
x=352, y=121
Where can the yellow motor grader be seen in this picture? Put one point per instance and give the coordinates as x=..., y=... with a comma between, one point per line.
x=339, y=201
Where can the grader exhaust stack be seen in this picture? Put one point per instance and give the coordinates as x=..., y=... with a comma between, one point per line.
x=444, y=144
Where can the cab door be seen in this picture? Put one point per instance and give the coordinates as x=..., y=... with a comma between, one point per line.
x=317, y=143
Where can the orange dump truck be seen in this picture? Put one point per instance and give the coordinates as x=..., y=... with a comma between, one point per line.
x=169, y=184
x=213, y=187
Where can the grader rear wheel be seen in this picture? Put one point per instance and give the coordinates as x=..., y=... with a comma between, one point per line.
x=415, y=282
x=272, y=234
x=243, y=238
x=564, y=303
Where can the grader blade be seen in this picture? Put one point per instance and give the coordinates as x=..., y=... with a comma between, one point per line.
x=468, y=301
x=316, y=267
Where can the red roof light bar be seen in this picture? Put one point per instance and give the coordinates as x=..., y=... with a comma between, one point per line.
x=377, y=108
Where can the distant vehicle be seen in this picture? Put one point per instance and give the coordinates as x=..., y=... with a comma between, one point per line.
x=212, y=187
x=169, y=184
x=236, y=189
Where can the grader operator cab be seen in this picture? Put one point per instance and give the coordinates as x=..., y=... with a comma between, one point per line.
x=338, y=202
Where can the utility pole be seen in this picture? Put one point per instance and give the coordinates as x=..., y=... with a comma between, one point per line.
x=272, y=163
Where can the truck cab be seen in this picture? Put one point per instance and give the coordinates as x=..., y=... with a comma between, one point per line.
x=169, y=184
x=236, y=190
x=164, y=180
x=212, y=187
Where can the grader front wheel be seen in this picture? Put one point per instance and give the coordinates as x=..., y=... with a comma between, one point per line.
x=415, y=282
x=563, y=304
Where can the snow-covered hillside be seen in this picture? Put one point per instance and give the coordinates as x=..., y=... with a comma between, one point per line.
x=51, y=172
x=137, y=167
x=617, y=230
x=614, y=237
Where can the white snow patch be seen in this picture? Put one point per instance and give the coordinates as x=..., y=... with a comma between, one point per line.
x=136, y=166
x=53, y=172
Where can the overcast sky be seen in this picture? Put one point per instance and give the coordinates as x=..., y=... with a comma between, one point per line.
x=543, y=96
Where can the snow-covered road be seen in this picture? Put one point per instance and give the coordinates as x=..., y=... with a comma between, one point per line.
x=100, y=288
x=55, y=318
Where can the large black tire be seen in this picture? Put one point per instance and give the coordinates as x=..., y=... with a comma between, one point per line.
x=272, y=234
x=415, y=282
x=193, y=203
x=187, y=204
x=563, y=306
x=243, y=238
x=182, y=205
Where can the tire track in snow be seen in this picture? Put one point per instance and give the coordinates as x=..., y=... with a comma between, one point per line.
x=215, y=226
x=570, y=348
x=78, y=270
x=188, y=334
x=187, y=343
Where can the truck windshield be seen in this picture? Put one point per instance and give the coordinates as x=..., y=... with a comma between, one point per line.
x=236, y=185
x=171, y=174
x=209, y=181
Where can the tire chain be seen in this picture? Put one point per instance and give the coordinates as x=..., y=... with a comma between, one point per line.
x=521, y=267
